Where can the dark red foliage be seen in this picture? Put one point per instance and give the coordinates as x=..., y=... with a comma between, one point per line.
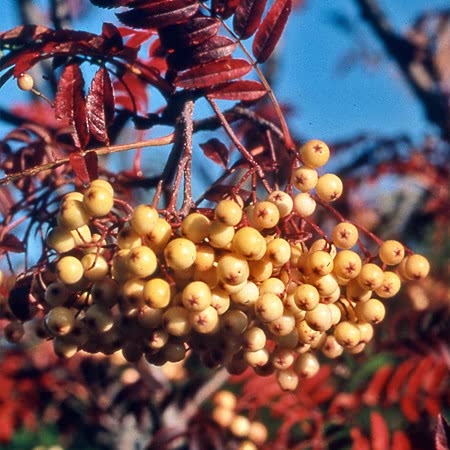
x=70, y=103
x=243, y=90
x=100, y=105
x=224, y=8
x=159, y=13
x=195, y=32
x=217, y=151
x=213, y=73
x=442, y=438
x=247, y=17
x=85, y=167
x=10, y=243
x=271, y=29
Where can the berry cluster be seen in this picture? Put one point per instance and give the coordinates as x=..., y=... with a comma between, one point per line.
x=252, y=434
x=241, y=284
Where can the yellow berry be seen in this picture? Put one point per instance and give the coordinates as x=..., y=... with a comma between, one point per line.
x=228, y=212
x=304, y=178
x=144, y=218
x=391, y=252
x=180, y=254
x=282, y=201
x=195, y=227
x=69, y=269
x=97, y=201
x=329, y=187
x=344, y=235
x=417, y=267
x=314, y=153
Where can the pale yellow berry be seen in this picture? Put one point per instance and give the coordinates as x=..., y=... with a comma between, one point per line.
x=314, y=153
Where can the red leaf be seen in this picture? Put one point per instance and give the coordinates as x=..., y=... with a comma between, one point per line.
x=159, y=13
x=243, y=90
x=248, y=17
x=70, y=103
x=91, y=160
x=214, y=49
x=224, y=8
x=360, y=442
x=373, y=392
x=442, y=436
x=217, y=151
x=11, y=243
x=213, y=73
x=400, y=441
x=379, y=431
x=195, y=32
x=398, y=380
x=6, y=200
x=112, y=34
x=79, y=166
x=270, y=30
x=131, y=93
x=100, y=105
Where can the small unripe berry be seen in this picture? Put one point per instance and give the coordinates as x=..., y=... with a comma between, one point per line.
x=25, y=82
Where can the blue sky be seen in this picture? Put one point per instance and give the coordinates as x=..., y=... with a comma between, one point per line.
x=329, y=104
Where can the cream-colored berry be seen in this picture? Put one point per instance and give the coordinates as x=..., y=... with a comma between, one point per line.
x=228, y=212
x=157, y=293
x=329, y=187
x=195, y=227
x=304, y=178
x=282, y=201
x=304, y=204
x=345, y=235
x=180, y=253
x=249, y=243
x=232, y=270
x=97, y=201
x=390, y=286
x=391, y=252
x=95, y=267
x=265, y=215
x=69, y=270
x=143, y=219
x=141, y=261
x=417, y=267
x=314, y=153
x=25, y=82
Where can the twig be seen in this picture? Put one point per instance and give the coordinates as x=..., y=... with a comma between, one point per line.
x=418, y=76
x=204, y=393
x=155, y=142
x=245, y=153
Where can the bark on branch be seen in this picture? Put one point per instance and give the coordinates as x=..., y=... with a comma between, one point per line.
x=422, y=81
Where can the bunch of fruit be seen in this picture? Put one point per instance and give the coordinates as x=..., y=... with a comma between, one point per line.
x=240, y=284
x=251, y=434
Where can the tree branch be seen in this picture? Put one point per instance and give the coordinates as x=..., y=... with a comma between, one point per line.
x=155, y=142
x=403, y=52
